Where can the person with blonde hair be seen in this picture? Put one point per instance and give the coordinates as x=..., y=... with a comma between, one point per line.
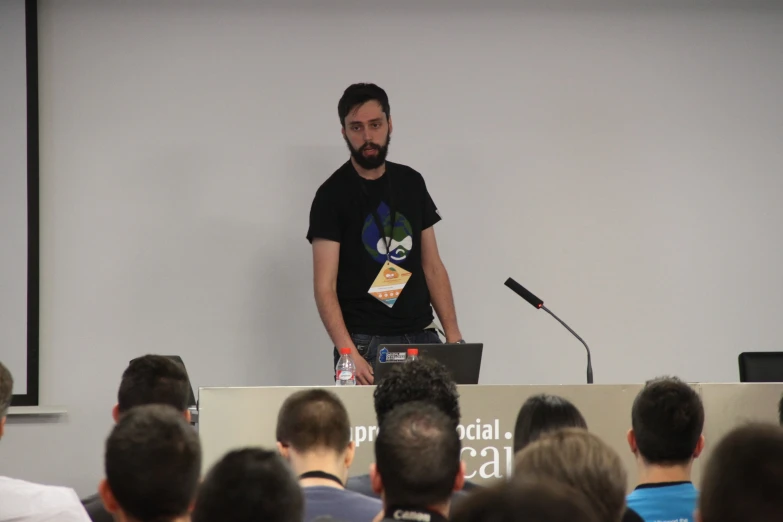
x=579, y=459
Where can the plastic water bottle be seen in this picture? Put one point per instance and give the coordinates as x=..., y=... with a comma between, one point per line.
x=413, y=355
x=345, y=372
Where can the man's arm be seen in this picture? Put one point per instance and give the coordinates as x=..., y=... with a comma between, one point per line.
x=439, y=285
x=326, y=259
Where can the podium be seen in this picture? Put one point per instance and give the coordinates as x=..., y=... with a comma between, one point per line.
x=231, y=418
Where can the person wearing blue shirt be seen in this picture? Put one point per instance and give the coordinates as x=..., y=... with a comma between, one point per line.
x=666, y=436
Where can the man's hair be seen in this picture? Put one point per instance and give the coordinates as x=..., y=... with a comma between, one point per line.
x=358, y=94
x=780, y=410
x=667, y=419
x=153, y=462
x=542, y=414
x=6, y=390
x=313, y=419
x=743, y=476
x=525, y=501
x=153, y=379
x=424, y=380
x=247, y=485
x=580, y=459
x=417, y=455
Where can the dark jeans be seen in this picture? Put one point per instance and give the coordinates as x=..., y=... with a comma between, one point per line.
x=367, y=345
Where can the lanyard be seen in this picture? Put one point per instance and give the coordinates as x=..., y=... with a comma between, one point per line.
x=321, y=475
x=377, y=218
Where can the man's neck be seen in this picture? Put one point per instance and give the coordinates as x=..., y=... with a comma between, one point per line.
x=370, y=174
x=441, y=509
x=655, y=474
x=324, y=461
x=125, y=518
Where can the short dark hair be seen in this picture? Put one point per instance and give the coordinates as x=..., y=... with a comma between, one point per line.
x=525, y=501
x=667, y=419
x=542, y=414
x=153, y=379
x=780, y=410
x=153, y=462
x=312, y=419
x=358, y=94
x=417, y=455
x=248, y=485
x=425, y=380
x=743, y=476
x=6, y=390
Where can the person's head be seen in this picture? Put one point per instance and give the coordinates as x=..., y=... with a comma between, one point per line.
x=743, y=477
x=425, y=380
x=6, y=394
x=314, y=424
x=417, y=457
x=247, y=485
x=667, y=420
x=542, y=414
x=780, y=410
x=580, y=459
x=152, y=465
x=366, y=123
x=525, y=501
x=153, y=379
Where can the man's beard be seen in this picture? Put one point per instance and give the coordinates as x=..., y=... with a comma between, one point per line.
x=369, y=162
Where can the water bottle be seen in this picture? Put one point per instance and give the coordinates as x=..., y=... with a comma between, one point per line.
x=413, y=355
x=345, y=371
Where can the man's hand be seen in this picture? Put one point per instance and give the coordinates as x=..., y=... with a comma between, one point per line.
x=364, y=373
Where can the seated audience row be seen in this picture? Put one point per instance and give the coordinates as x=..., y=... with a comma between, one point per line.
x=562, y=471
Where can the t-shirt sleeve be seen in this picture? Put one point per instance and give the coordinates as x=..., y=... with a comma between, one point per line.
x=431, y=215
x=324, y=218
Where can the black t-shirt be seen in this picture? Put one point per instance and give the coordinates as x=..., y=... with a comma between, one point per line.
x=342, y=212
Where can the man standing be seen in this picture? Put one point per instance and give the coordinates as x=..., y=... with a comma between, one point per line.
x=377, y=270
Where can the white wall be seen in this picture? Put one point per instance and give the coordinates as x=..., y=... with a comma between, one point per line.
x=622, y=162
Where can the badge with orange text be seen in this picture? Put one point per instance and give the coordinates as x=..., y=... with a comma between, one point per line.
x=389, y=283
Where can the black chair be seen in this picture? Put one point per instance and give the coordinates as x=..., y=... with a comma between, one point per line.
x=761, y=366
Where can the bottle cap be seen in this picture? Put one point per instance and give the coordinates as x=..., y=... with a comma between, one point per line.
x=413, y=351
x=345, y=351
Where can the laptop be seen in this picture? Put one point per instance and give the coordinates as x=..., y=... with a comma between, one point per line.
x=463, y=361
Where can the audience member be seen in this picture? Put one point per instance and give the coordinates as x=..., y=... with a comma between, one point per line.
x=425, y=380
x=667, y=419
x=526, y=501
x=743, y=478
x=153, y=462
x=417, y=463
x=22, y=501
x=576, y=457
x=542, y=414
x=780, y=410
x=249, y=485
x=149, y=379
x=313, y=435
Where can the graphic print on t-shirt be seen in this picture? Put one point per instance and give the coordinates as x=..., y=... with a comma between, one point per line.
x=401, y=240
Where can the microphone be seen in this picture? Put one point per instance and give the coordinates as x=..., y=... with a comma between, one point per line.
x=528, y=296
